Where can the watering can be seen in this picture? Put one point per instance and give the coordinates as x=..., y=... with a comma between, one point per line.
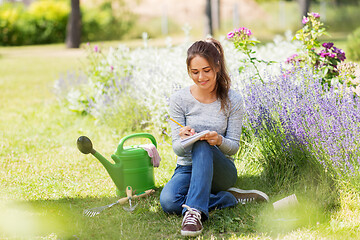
x=132, y=164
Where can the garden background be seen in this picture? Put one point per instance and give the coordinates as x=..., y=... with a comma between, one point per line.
x=300, y=134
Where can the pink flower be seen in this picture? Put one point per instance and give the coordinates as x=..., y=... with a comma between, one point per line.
x=112, y=68
x=305, y=20
x=240, y=30
x=292, y=58
x=243, y=30
x=230, y=35
x=96, y=48
x=248, y=32
x=315, y=15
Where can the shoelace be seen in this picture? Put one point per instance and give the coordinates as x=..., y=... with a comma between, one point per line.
x=191, y=216
x=246, y=200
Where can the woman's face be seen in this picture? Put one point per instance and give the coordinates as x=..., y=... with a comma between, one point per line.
x=202, y=74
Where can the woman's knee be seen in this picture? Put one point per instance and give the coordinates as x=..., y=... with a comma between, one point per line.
x=203, y=145
x=202, y=150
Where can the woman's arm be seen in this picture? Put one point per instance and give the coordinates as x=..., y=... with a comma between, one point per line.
x=231, y=141
x=177, y=113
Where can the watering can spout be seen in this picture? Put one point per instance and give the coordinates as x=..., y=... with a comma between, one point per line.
x=85, y=146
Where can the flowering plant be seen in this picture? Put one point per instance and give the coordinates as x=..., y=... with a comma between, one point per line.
x=329, y=58
x=243, y=43
x=324, y=62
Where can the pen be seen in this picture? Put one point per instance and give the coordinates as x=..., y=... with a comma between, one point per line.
x=176, y=122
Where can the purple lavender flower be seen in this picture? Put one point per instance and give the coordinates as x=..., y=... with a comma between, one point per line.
x=305, y=117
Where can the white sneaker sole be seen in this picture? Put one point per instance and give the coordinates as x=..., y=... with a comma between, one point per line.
x=232, y=189
x=190, y=233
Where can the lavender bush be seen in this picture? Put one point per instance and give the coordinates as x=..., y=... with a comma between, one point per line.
x=305, y=122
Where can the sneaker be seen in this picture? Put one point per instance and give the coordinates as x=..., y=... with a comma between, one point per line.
x=191, y=224
x=246, y=196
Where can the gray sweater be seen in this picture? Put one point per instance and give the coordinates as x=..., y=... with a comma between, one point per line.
x=188, y=111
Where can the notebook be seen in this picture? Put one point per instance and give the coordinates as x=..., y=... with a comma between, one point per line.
x=186, y=142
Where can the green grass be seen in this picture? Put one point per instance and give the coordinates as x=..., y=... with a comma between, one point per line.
x=46, y=183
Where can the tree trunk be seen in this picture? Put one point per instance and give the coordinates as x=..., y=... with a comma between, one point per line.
x=73, y=35
x=304, y=7
x=215, y=14
x=208, y=19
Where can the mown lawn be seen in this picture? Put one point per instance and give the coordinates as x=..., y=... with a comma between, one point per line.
x=46, y=183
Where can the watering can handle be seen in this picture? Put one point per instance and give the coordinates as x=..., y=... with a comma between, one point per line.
x=136, y=135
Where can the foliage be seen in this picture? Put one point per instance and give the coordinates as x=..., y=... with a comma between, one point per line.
x=243, y=43
x=343, y=17
x=105, y=23
x=10, y=23
x=45, y=22
x=325, y=62
x=48, y=19
x=353, y=45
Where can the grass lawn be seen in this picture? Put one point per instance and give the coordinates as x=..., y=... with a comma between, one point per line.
x=46, y=183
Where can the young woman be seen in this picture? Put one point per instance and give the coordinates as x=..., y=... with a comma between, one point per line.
x=205, y=174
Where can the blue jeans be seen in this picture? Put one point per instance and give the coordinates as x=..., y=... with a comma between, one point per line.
x=203, y=185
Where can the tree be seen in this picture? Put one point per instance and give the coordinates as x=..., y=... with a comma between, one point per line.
x=212, y=16
x=208, y=19
x=73, y=36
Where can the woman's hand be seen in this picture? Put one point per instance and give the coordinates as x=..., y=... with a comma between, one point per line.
x=213, y=138
x=186, y=132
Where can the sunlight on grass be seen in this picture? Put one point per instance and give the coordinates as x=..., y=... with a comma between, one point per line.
x=25, y=221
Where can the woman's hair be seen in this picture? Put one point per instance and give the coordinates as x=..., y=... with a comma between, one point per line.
x=212, y=51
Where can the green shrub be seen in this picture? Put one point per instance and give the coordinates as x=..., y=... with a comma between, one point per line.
x=48, y=21
x=45, y=22
x=353, y=45
x=10, y=22
x=105, y=23
x=342, y=18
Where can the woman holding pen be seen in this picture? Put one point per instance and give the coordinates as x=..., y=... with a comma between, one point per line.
x=205, y=174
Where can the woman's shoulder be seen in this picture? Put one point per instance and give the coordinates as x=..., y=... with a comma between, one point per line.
x=181, y=92
x=180, y=95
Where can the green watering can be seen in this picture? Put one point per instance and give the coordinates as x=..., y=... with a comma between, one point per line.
x=132, y=165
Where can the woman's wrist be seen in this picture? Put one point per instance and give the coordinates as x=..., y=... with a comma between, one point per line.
x=220, y=140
